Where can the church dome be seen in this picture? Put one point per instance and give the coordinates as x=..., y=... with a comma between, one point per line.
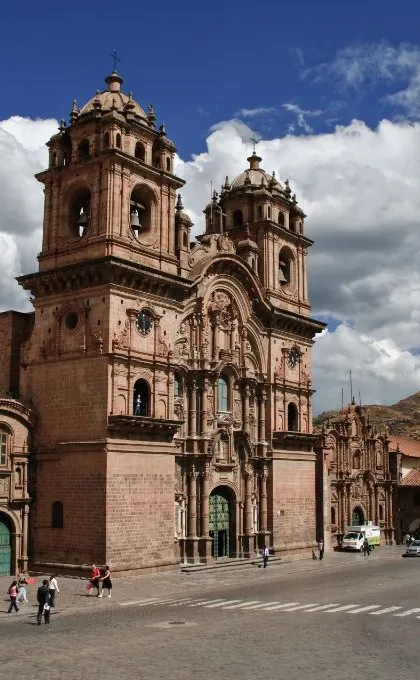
x=255, y=176
x=113, y=99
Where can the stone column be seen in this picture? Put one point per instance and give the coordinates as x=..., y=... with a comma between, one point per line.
x=263, y=501
x=192, y=504
x=246, y=408
x=24, y=546
x=193, y=409
x=261, y=417
x=248, y=505
x=204, y=409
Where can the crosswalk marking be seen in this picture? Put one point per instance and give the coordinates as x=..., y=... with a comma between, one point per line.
x=203, y=602
x=385, y=611
x=180, y=603
x=244, y=605
x=144, y=601
x=275, y=606
x=300, y=606
x=321, y=607
x=409, y=612
x=279, y=606
x=341, y=608
x=365, y=609
x=221, y=604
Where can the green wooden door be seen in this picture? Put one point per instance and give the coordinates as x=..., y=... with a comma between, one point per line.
x=219, y=524
x=5, y=550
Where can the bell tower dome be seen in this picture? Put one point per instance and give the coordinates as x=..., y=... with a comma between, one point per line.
x=110, y=189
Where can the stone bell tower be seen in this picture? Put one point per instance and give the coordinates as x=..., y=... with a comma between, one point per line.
x=110, y=190
x=96, y=368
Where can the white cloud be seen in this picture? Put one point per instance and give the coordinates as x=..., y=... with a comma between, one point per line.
x=22, y=153
x=254, y=113
x=301, y=115
x=367, y=64
x=359, y=187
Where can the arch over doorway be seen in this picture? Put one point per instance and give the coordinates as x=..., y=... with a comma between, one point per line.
x=358, y=516
x=222, y=522
x=5, y=545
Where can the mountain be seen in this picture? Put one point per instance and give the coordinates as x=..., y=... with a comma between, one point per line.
x=403, y=418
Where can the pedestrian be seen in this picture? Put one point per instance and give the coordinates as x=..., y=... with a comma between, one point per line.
x=321, y=549
x=366, y=547
x=13, y=594
x=407, y=539
x=22, y=581
x=53, y=589
x=95, y=576
x=43, y=597
x=266, y=555
x=106, y=582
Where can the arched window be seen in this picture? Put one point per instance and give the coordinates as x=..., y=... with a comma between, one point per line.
x=281, y=219
x=222, y=394
x=79, y=212
x=106, y=140
x=185, y=240
x=83, y=150
x=285, y=273
x=177, y=385
x=269, y=212
x=381, y=513
x=4, y=447
x=118, y=141
x=237, y=218
x=168, y=165
x=332, y=516
x=292, y=417
x=356, y=460
x=260, y=212
x=57, y=515
x=141, y=398
x=140, y=152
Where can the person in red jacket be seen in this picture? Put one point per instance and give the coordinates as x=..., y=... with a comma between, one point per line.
x=95, y=576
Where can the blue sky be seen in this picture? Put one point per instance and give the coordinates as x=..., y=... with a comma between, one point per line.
x=332, y=89
x=199, y=63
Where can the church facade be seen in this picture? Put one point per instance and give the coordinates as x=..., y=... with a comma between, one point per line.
x=357, y=479
x=159, y=408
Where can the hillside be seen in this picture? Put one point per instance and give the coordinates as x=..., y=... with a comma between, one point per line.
x=402, y=418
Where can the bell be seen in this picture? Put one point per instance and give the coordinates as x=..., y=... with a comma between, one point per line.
x=134, y=220
x=83, y=219
x=282, y=278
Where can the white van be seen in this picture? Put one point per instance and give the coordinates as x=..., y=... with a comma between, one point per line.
x=355, y=536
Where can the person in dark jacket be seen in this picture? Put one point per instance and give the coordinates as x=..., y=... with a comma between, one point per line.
x=44, y=598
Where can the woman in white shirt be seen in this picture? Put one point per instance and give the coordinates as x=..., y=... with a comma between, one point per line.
x=53, y=589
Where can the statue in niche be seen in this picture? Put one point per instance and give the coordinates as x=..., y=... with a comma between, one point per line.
x=137, y=410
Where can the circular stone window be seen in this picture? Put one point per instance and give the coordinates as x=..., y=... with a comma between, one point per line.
x=144, y=322
x=71, y=321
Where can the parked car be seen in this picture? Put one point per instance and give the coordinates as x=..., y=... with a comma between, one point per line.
x=413, y=550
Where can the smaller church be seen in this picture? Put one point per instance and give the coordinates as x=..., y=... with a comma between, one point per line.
x=156, y=405
x=358, y=477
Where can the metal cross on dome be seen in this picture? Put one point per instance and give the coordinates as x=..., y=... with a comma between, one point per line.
x=254, y=141
x=115, y=59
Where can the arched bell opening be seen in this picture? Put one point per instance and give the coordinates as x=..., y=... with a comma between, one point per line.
x=222, y=522
x=292, y=418
x=141, y=210
x=118, y=141
x=237, y=218
x=281, y=219
x=83, y=150
x=141, y=398
x=79, y=212
x=140, y=152
x=106, y=140
x=285, y=271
